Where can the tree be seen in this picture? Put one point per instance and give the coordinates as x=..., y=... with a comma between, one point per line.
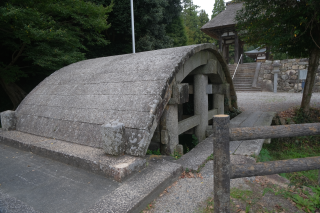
x=46, y=35
x=190, y=18
x=287, y=26
x=153, y=18
x=201, y=37
x=218, y=7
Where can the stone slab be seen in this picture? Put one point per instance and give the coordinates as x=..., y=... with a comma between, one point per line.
x=31, y=183
x=198, y=155
x=250, y=147
x=137, y=192
x=85, y=157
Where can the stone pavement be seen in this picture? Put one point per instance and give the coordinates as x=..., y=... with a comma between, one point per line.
x=31, y=183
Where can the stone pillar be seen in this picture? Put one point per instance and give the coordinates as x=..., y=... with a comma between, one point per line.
x=218, y=103
x=276, y=70
x=8, y=120
x=201, y=105
x=169, y=129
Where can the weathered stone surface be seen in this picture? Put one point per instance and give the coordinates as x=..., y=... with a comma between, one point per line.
x=85, y=157
x=8, y=120
x=113, y=138
x=133, y=89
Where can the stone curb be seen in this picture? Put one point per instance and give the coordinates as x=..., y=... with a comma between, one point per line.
x=139, y=190
x=84, y=157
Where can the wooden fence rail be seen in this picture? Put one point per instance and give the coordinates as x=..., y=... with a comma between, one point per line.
x=224, y=171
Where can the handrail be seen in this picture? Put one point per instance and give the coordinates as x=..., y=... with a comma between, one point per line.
x=237, y=67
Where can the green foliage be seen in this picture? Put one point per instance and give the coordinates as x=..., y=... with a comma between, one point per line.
x=195, y=140
x=177, y=32
x=233, y=113
x=218, y=7
x=157, y=26
x=193, y=21
x=153, y=152
x=49, y=34
x=176, y=155
x=286, y=26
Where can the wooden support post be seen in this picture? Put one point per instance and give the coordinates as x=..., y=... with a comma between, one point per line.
x=236, y=48
x=227, y=54
x=220, y=43
x=221, y=166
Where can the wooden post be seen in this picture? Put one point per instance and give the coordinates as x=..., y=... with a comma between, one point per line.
x=220, y=42
x=221, y=166
x=236, y=48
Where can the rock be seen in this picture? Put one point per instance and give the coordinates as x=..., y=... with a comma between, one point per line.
x=301, y=67
x=293, y=77
x=268, y=85
x=283, y=121
x=290, y=72
x=267, y=76
x=295, y=67
x=8, y=120
x=317, y=84
x=298, y=87
x=284, y=77
x=267, y=71
x=291, y=91
x=268, y=62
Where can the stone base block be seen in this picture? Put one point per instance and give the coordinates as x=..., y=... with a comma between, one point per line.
x=85, y=157
x=8, y=120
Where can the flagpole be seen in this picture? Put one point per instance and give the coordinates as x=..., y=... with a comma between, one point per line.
x=132, y=25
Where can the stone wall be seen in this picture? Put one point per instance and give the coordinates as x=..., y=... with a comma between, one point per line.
x=287, y=78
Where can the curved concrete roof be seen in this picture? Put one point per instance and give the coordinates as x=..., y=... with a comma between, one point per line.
x=133, y=89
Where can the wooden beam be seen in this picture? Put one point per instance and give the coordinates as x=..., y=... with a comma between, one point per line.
x=281, y=131
x=274, y=167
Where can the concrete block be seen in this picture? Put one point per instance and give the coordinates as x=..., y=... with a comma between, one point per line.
x=8, y=120
x=113, y=138
x=218, y=103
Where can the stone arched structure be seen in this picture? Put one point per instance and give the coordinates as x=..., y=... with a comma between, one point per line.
x=120, y=100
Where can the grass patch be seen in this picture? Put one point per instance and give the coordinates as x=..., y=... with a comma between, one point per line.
x=153, y=152
x=295, y=147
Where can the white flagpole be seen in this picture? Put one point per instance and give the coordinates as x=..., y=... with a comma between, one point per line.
x=132, y=24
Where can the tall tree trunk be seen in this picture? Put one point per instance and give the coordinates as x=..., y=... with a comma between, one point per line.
x=15, y=93
x=311, y=76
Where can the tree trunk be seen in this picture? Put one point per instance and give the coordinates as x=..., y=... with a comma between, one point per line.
x=314, y=57
x=15, y=93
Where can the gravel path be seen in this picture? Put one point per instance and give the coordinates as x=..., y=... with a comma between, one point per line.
x=275, y=102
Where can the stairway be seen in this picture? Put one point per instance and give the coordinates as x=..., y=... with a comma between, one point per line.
x=243, y=78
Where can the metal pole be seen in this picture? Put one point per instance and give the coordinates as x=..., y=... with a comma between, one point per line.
x=132, y=26
x=221, y=164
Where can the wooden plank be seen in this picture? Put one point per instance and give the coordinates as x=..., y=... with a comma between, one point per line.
x=281, y=131
x=274, y=167
x=188, y=123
